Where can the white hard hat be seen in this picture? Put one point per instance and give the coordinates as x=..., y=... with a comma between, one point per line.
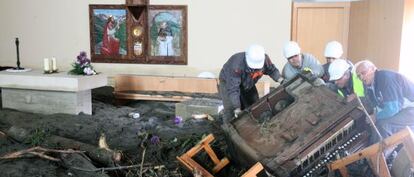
x=291, y=49
x=255, y=56
x=206, y=74
x=338, y=68
x=333, y=49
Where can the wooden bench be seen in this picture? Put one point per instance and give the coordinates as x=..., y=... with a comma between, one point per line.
x=133, y=87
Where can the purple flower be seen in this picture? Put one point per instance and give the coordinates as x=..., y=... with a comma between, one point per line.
x=83, y=54
x=82, y=65
x=155, y=139
x=178, y=120
x=82, y=59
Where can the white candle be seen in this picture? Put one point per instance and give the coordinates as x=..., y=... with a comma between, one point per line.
x=54, y=68
x=46, y=64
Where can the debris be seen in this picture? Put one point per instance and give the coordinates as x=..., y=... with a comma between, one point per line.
x=203, y=116
x=143, y=154
x=178, y=120
x=77, y=162
x=104, y=156
x=37, y=151
x=134, y=115
x=121, y=133
x=145, y=166
x=102, y=142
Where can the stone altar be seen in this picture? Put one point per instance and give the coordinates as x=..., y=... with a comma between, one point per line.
x=60, y=92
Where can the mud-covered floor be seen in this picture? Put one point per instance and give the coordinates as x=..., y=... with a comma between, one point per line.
x=165, y=139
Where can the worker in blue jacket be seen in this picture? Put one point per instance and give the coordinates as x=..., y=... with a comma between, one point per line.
x=392, y=94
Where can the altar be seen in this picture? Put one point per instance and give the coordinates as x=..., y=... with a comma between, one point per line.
x=61, y=92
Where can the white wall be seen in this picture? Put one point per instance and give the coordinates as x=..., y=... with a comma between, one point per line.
x=216, y=30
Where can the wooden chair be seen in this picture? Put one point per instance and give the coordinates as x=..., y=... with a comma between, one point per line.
x=375, y=155
x=192, y=165
x=254, y=170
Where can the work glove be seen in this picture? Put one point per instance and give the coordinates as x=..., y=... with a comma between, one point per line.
x=307, y=70
x=318, y=82
x=237, y=112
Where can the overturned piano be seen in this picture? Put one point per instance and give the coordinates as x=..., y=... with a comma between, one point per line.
x=297, y=129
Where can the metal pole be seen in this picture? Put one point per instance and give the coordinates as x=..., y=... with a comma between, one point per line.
x=369, y=119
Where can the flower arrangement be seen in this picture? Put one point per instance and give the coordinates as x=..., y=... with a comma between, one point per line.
x=82, y=65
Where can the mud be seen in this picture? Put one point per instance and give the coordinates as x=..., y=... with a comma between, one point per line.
x=165, y=139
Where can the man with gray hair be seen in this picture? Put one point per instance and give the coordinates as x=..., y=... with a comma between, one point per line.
x=391, y=93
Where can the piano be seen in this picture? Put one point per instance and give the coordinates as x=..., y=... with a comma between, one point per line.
x=297, y=129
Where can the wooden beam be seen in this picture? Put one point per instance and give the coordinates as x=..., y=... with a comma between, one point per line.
x=129, y=82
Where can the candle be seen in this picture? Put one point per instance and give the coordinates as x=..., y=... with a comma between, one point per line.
x=54, y=68
x=46, y=64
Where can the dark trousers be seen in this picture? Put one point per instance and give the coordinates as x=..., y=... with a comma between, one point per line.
x=247, y=98
x=389, y=126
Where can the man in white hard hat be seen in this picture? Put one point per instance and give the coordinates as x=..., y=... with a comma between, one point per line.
x=333, y=50
x=347, y=82
x=299, y=62
x=239, y=76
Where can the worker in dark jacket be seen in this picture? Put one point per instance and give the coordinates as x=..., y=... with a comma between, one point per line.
x=239, y=76
x=393, y=95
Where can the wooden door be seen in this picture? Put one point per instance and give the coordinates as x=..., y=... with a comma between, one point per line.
x=315, y=24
